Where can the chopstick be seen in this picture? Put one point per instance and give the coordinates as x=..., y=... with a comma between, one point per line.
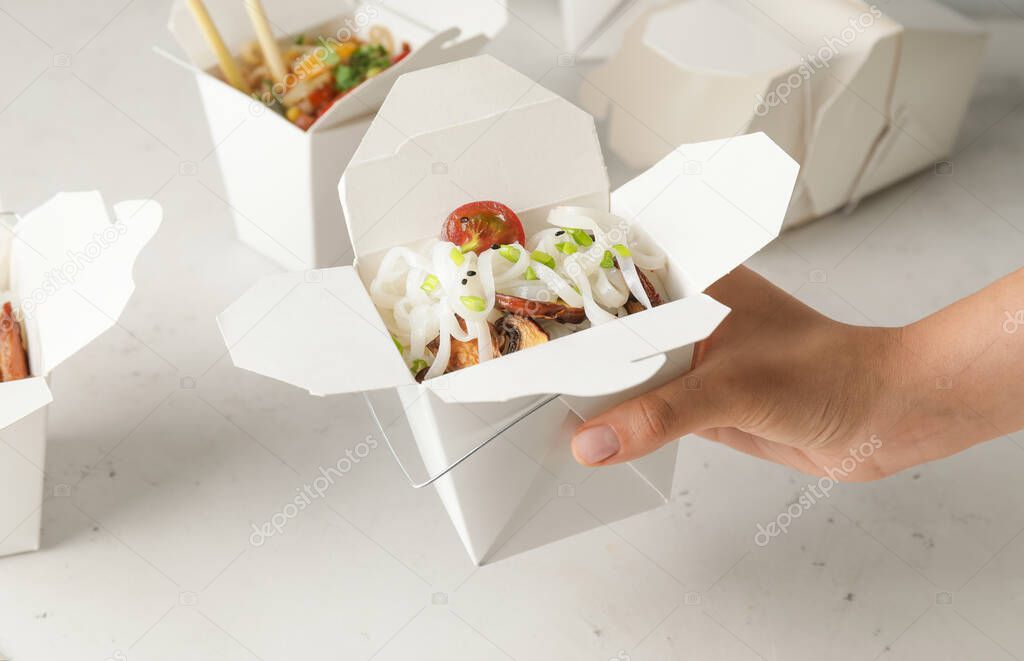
x=271, y=51
x=227, y=64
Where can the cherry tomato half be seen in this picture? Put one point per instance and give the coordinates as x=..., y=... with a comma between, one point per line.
x=478, y=226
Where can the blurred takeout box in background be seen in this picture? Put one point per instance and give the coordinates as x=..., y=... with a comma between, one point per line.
x=280, y=181
x=860, y=96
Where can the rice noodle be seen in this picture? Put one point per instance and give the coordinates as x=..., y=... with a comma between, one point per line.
x=430, y=294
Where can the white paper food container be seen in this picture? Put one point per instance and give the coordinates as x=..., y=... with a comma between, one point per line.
x=68, y=268
x=280, y=180
x=593, y=29
x=708, y=206
x=860, y=96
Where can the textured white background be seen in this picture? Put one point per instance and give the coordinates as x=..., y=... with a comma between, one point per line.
x=148, y=557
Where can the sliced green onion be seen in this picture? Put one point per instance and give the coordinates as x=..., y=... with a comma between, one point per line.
x=397, y=344
x=511, y=253
x=331, y=58
x=456, y=256
x=474, y=303
x=566, y=247
x=544, y=258
x=344, y=78
x=607, y=261
x=580, y=237
x=430, y=283
x=622, y=250
x=530, y=274
x=418, y=365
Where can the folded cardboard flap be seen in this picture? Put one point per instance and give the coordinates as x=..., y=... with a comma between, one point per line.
x=598, y=361
x=446, y=96
x=746, y=52
x=473, y=18
x=21, y=397
x=582, y=18
x=711, y=205
x=71, y=268
x=473, y=129
x=368, y=96
x=317, y=330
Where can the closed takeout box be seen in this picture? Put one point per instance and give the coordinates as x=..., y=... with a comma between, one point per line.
x=67, y=269
x=281, y=181
x=860, y=95
x=494, y=438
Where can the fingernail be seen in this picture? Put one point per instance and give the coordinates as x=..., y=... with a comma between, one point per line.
x=595, y=444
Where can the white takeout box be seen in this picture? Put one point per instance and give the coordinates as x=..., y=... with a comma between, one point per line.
x=281, y=181
x=708, y=206
x=69, y=270
x=593, y=29
x=860, y=96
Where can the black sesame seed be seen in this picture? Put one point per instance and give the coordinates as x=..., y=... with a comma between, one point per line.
x=495, y=246
x=464, y=281
x=471, y=273
x=463, y=220
x=559, y=232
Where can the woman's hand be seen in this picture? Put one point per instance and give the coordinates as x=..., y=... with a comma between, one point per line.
x=779, y=381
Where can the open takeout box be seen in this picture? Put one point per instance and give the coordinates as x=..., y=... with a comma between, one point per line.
x=494, y=438
x=68, y=270
x=281, y=181
x=860, y=96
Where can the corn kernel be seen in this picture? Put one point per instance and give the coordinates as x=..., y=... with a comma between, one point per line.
x=345, y=50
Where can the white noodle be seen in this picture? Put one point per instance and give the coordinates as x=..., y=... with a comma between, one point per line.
x=427, y=295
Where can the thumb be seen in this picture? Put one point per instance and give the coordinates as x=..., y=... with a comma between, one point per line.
x=643, y=424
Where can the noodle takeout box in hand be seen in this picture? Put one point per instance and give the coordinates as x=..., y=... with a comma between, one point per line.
x=66, y=269
x=280, y=181
x=494, y=438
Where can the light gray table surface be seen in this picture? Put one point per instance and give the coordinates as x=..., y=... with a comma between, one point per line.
x=148, y=557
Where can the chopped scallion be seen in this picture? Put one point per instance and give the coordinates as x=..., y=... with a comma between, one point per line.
x=456, y=256
x=543, y=258
x=511, y=253
x=566, y=247
x=530, y=274
x=474, y=303
x=430, y=283
x=607, y=261
x=581, y=237
x=622, y=250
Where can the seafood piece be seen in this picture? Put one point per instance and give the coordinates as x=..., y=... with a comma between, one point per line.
x=13, y=364
x=652, y=293
x=516, y=333
x=463, y=354
x=633, y=306
x=525, y=307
